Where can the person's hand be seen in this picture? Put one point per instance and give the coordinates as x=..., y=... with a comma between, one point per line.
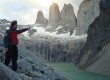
x=6, y=49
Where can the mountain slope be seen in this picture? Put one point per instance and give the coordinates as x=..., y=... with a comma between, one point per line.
x=98, y=38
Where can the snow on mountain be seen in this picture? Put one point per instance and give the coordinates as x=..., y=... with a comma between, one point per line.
x=51, y=46
x=41, y=32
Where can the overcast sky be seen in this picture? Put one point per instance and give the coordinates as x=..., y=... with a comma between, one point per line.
x=25, y=11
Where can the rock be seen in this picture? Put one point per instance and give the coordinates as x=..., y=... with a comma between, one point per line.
x=24, y=77
x=4, y=21
x=40, y=19
x=68, y=18
x=98, y=37
x=35, y=74
x=29, y=56
x=54, y=17
x=102, y=65
x=56, y=50
x=35, y=78
x=3, y=28
x=2, y=54
x=88, y=11
x=8, y=74
x=32, y=31
x=22, y=65
x=53, y=76
x=46, y=77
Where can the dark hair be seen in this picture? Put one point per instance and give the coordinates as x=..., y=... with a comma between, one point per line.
x=13, y=23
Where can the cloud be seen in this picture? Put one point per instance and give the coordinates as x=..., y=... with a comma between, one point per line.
x=25, y=11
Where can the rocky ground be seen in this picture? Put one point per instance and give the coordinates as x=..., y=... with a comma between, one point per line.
x=30, y=67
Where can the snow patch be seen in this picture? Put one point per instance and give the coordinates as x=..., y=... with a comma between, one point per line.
x=59, y=27
x=42, y=32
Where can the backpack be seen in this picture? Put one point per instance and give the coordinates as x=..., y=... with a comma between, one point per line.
x=7, y=40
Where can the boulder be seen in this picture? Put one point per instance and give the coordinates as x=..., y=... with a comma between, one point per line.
x=35, y=74
x=4, y=21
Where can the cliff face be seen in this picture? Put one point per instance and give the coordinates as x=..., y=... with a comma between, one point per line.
x=65, y=19
x=102, y=65
x=54, y=16
x=56, y=50
x=98, y=38
x=68, y=18
x=88, y=11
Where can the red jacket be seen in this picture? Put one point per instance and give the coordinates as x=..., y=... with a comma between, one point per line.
x=14, y=34
x=10, y=37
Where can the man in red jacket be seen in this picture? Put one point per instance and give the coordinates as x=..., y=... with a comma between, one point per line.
x=10, y=43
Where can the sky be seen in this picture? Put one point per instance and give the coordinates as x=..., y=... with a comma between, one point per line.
x=25, y=11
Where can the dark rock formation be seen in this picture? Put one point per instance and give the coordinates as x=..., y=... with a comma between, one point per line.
x=98, y=37
x=40, y=19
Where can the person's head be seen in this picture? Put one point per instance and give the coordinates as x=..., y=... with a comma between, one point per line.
x=14, y=25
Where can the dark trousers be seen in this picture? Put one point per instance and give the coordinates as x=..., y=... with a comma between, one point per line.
x=12, y=54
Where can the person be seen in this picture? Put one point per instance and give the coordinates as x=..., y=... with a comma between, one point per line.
x=10, y=44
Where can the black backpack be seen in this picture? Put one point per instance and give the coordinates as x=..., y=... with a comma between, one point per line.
x=7, y=40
